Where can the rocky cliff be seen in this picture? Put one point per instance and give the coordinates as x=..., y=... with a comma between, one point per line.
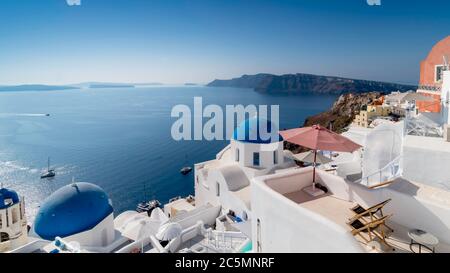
x=340, y=115
x=307, y=83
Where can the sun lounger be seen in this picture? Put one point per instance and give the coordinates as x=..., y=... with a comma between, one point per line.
x=371, y=230
x=369, y=214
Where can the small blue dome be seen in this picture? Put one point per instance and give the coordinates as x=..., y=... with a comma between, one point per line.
x=249, y=131
x=8, y=194
x=72, y=209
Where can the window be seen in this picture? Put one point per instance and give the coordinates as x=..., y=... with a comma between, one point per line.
x=15, y=215
x=255, y=159
x=217, y=189
x=237, y=155
x=439, y=71
x=275, y=157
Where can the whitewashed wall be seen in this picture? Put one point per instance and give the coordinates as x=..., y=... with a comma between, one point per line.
x=287, y=227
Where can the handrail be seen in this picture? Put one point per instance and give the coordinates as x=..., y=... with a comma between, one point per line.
x=429, y=87
x=421, y=127
x=393, y=163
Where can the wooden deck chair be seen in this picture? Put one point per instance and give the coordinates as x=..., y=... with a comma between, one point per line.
x=374, y=229
x=370, y=214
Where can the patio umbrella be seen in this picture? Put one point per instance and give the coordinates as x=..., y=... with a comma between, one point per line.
x=169, y=231
x=308, y=157
x=316, y=138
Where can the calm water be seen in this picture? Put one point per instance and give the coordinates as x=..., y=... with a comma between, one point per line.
x=118, y=139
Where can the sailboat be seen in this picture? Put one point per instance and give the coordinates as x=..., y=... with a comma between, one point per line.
x=50, y=172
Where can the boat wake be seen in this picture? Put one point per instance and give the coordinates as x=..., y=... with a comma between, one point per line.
x=23, y=115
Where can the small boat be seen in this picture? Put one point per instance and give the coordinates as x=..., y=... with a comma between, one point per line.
x=50, y=173
x=47, y=115
x=148, y=206
x=173, y=199
x=185, y=170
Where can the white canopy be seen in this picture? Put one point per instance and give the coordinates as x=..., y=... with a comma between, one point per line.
x=169, y=231
x=141, y=228
x=158, y=215
x=136, y=226
x=124, y=218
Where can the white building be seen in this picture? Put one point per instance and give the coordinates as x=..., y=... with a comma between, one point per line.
x=13, y=222
x=79, y=214
x=226, y=180
x=269, y=194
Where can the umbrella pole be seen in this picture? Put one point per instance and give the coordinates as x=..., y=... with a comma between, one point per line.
x=314, y=170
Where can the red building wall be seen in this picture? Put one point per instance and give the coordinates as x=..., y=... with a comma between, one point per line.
x=428, y=74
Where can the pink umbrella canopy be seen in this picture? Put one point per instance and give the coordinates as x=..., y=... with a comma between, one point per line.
x=317, y=137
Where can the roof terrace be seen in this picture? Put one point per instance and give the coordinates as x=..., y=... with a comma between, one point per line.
x=329, y=216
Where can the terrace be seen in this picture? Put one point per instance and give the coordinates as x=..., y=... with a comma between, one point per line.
x=412, y=206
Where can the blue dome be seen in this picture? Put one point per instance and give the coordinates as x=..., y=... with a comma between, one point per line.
x=249, y=131
x=72, y=209
x=8, y=194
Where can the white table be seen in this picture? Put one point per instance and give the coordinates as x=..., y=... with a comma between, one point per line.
x=422, y=239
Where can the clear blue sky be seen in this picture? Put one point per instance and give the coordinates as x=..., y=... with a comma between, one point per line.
x=177, y=41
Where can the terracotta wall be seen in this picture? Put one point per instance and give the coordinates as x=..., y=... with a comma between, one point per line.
x=428, y=106
x=428, y=74
x=435, y=57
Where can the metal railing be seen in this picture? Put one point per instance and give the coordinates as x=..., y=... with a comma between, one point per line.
x=224, y=240
x=389, y=172
x=433, y=88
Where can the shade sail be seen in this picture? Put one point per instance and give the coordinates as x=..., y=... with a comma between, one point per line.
x=319, y=138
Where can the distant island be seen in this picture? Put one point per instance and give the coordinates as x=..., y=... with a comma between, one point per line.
x=36, y=87
x=308, y=83
x=190, y=84
x=105, y=85
x=83, y=85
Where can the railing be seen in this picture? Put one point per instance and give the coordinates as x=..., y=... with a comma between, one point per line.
x=225, y=240
x=384, y=175
x=418, y=127
x=433, y=88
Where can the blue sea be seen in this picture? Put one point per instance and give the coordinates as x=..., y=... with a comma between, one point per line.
x=118, y=138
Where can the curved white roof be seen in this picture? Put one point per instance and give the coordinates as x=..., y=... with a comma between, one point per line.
x=235, y=177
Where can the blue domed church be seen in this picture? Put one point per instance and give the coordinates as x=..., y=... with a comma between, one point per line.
x=257, y=144
x=13, y=222
x=255, y=149
x=79, y=212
